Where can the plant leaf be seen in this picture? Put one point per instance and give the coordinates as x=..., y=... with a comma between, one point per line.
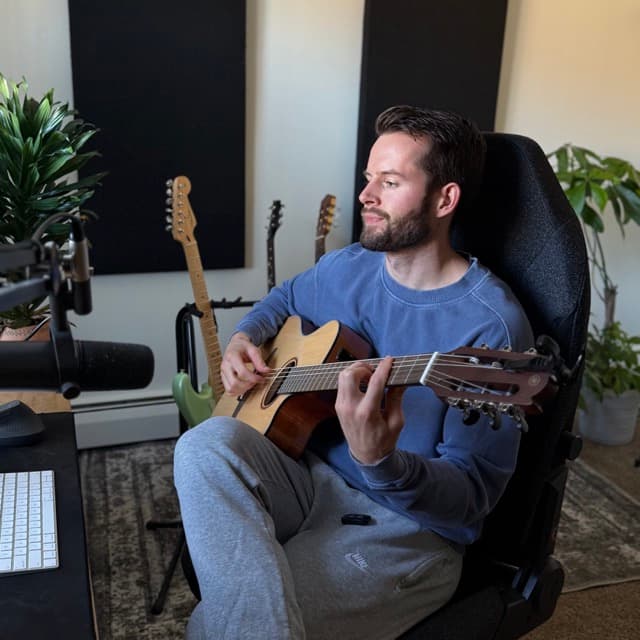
x=576, y=194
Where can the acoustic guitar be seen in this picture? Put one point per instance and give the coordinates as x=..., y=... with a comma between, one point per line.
x=195, y=406
x=323, y=226
x=300, y=393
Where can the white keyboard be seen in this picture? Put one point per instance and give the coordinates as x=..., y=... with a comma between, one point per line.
x=28, y=533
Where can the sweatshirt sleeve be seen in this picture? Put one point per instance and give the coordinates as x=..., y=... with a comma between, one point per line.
x=457, y=489
x=452, y=491
x=292, y=297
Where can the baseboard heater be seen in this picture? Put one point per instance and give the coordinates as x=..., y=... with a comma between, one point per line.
x=113, y=421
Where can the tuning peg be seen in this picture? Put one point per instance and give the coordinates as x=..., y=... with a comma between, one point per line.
x=517, y=414
x=496, y=420
x=470, y=416
x=168, y=219
x=168, y=227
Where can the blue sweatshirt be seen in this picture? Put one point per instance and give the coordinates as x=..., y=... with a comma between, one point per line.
x=444, y=474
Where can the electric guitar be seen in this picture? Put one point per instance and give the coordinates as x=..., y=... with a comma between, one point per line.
x=325, y=220
x=275, y=220
x=298, y=395
x=193, y=405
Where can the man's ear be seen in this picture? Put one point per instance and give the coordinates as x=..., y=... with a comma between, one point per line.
x=448, y=199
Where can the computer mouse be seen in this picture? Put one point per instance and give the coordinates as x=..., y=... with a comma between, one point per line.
x=19, y=424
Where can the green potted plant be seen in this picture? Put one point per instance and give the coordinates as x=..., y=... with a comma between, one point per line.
x=598, y=186
x=41, y=149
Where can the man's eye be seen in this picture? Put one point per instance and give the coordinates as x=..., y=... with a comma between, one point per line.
x=390, y=183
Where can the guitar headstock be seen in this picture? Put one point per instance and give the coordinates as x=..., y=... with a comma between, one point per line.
x=493, y=382
x=181, y=219
x=325, y=216
x=275, y=218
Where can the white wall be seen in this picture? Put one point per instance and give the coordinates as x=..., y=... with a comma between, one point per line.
x=569, y=74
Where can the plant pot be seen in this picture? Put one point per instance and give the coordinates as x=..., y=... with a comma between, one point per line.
x=612, y=421
x=38, y=332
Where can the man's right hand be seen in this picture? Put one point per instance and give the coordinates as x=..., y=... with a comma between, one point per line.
x=242, y=365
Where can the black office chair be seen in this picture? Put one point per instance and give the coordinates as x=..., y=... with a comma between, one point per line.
x=525, y=231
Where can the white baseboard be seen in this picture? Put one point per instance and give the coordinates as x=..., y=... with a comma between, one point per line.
x=102, y=424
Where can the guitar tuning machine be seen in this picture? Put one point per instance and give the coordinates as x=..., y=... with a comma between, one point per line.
x=517, y=415
x=473, y=409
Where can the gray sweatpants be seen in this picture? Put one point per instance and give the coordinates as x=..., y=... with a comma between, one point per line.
x=273, y=559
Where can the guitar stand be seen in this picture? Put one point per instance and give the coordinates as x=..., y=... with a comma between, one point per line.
x=185, y=361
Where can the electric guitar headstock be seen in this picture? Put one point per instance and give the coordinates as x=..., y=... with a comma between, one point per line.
x=325, y=220
x=181, y=219
x=275, y=221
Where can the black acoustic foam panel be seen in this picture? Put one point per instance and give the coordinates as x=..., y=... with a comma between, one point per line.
x=434, y=53
x=165, y=84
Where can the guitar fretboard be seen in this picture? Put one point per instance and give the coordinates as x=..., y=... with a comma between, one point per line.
x=406, y=370
x=207, y=321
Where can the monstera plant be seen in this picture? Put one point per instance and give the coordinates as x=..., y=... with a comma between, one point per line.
x=41, y=149
x=602, y=188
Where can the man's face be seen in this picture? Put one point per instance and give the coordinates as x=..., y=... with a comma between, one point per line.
x=395, y=212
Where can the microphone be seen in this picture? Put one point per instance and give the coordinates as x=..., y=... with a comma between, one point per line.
x=80, y=268
x=100, y=366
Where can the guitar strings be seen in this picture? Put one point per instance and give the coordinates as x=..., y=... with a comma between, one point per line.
x=400, y=364
x=297, y=375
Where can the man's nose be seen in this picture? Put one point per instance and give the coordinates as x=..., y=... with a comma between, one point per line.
x=369, y=195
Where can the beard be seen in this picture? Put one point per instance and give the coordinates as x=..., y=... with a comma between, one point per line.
x=410, y=231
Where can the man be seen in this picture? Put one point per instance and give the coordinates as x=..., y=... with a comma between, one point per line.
x=275, y=556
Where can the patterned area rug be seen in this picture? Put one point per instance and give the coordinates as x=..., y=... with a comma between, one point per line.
x=598, y=539
x=125, y=487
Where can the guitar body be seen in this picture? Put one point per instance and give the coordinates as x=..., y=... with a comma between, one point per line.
x=289, y=419
x=195, y=407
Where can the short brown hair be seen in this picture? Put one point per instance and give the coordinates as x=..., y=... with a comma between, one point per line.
x=457, y=149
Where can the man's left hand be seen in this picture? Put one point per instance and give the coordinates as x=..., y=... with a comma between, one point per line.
x=370, y=415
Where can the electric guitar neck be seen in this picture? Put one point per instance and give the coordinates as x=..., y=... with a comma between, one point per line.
x=275, y=220
x=183, y=223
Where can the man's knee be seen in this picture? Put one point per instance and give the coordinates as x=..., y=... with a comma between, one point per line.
x=211, y=438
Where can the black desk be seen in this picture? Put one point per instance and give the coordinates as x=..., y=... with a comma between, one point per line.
x=56, y=603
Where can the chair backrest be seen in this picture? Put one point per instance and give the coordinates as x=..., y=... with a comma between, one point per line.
x=524, y=229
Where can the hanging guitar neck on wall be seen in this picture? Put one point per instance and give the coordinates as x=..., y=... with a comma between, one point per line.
x=193, y=405
x=275, y=220
x=325, y=220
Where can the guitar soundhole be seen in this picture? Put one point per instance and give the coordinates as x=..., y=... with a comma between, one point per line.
x=274, y=389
